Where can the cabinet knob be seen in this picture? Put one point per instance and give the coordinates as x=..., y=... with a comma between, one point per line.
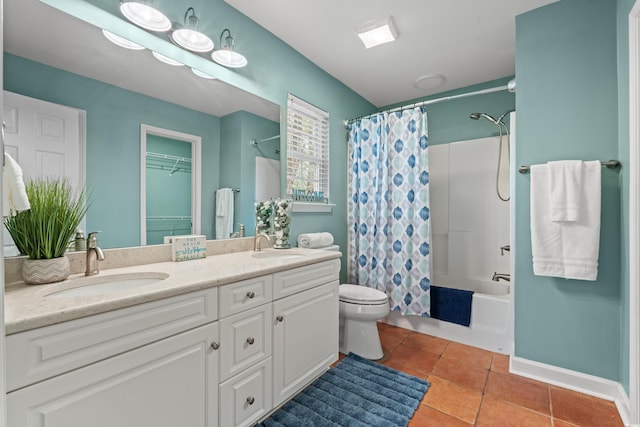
x=279, y=318
x=215, y=345
x=250, y=400
x=250, y=340
x=251, y=294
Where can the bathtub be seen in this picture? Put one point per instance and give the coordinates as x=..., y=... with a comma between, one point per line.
x=491, y=325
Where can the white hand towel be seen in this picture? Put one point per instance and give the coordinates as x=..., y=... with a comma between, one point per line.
x=224, y=213
x=565, y=180
x=567, y=249
x=13, y=190
x=315, y=240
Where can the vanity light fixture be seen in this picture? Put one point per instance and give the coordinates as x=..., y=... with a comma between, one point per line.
x=377, y=32
x=160, y=57
x=121, y=41
x=189, y=36
x=145, y=15
x=227, y=55
x=203, y=75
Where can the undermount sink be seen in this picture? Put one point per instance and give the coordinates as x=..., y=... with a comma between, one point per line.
x=100, y=285
x=278, y=254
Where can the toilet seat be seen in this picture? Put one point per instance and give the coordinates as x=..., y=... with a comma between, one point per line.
x=354, y=294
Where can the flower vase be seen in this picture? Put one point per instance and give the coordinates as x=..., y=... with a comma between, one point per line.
x=264, y=211
x=41, y=271
x=281, y=222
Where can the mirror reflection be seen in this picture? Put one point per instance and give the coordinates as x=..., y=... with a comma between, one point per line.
x=59, y=59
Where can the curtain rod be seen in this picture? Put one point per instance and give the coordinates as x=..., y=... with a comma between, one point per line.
x=510, y=87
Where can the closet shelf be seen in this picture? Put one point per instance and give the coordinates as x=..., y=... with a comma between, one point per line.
x=169, y=157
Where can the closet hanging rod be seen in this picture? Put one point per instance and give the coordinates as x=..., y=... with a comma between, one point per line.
x=611, y=164
x=235, y=190
x=255, y=142
x=167, y=157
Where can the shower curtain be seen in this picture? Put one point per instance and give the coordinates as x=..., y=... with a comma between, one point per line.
x=389, y=208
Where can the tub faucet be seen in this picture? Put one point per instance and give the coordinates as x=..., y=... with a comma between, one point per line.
x=501, y=276
x=94, y=254
x=257, y=235
x=505, y=248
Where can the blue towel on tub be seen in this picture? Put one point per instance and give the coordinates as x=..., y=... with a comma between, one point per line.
x=451, y=305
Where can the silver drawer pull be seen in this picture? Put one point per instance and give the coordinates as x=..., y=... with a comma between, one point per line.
x=251, y=294
x=250, y=341
x=250, y=400
x=279, y=318
x=215, y=345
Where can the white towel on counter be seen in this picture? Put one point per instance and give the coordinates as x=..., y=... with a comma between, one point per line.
x=315, y=240
x=224, y=213
x=565, y=180
x=567, y=249
x=13, y=190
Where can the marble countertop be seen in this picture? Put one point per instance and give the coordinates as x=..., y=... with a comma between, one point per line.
x=31, y=306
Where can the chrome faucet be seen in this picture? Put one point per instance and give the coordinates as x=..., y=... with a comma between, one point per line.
x=501, y=276
x=504, y=248
x=94, y=254
x=257, y=235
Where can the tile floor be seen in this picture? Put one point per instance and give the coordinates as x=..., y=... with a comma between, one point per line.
x=473, y=387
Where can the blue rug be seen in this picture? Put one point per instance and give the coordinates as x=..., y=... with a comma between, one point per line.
x=356, y=392
x=451, y=305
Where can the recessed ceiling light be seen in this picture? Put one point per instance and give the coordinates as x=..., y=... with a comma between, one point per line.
x=430, y=81
x=377, y=32
x=160, y=57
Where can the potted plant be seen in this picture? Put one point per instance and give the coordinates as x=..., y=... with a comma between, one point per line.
x=44, y=232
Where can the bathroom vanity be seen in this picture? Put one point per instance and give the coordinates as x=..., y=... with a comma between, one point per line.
x=218, y=342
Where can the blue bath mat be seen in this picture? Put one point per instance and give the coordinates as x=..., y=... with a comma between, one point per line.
x=451, y=305
x=356, y=392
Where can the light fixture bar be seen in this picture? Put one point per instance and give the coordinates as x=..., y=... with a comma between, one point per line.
x=377, y=32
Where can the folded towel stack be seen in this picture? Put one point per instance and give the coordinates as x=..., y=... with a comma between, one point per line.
x=315, y=240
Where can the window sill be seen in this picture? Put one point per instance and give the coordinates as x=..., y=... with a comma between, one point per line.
x=311, y=207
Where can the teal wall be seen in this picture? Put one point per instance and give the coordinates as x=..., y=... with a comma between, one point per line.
x=114, y=116
x=567, y=105
x=237, y=160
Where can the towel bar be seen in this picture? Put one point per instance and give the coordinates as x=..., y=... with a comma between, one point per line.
x=611, y=164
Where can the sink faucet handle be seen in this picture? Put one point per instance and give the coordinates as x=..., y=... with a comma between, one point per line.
x=92, y=239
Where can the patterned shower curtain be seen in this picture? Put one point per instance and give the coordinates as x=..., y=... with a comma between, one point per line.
x=389, y=208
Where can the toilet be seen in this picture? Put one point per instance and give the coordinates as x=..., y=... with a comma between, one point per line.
x=360, y=308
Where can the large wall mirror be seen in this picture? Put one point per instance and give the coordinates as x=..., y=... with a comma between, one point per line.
x=54, y=57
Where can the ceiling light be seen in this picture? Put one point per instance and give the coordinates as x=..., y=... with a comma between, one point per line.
x=203, y=75
x=121, y=41
x=145, y=15
x=429, y=82
x=226, y=55
x=189, y=37
x=377, y=32
x=166, y=59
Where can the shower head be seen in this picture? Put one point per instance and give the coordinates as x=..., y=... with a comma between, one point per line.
x=505, y=113
x=476, y=116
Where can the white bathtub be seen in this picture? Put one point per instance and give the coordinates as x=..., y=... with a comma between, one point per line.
x=491, y=325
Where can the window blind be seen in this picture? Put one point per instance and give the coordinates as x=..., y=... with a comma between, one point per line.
x=307, y=147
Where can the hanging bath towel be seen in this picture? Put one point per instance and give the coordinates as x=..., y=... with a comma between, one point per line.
x=567, y=249
x=224, y=213
x=14, y=194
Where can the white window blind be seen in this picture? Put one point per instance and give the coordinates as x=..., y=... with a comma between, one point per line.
x=307, y=147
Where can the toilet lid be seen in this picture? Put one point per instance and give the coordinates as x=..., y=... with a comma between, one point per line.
x=356, y=294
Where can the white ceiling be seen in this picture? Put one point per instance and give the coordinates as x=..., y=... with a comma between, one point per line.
x=466, y=41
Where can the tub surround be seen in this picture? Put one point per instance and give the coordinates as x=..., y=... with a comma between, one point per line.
x=28, y=307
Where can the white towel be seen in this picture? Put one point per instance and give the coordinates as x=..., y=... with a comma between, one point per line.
x=224, y=213
x=567, y=249
x=565, y=180
x=315, y=240
x=13, y=190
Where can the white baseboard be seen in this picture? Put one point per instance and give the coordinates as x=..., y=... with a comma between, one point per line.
x=577, y=381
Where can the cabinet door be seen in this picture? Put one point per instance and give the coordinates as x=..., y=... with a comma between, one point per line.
x=169, y=383
x=305, y=338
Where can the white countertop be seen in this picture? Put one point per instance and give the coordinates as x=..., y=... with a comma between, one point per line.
x=29, y=306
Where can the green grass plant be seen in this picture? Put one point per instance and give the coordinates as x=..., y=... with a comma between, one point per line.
x=46, y=230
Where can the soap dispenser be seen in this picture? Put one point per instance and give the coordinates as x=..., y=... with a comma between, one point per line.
x=80, y=242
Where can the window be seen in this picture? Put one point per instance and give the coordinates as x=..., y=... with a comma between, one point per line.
x=307, y=149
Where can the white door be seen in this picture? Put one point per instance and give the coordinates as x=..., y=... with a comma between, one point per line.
x=46, y=139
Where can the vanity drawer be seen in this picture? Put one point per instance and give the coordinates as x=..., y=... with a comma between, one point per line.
x=298, y=279
x=245, y=339
x=247, y=397
x=246, y=294
x=42, y=353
